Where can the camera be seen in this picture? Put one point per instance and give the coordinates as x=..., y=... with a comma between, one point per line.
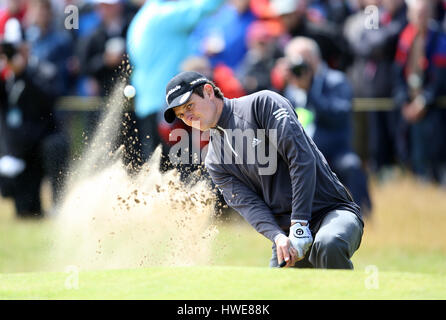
x=8, y=49
x=299, y=67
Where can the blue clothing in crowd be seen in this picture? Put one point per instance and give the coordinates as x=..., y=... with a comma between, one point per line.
x=158, y=42
x=52, y=46
x=231, y=26
x=330, y=98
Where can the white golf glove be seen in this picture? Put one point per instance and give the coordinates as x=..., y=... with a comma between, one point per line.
x=301, y=238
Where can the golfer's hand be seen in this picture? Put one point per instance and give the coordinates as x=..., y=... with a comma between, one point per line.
x=301, y=238
x=285, y=252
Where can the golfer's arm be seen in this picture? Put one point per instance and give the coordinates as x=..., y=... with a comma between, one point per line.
x=246, y=202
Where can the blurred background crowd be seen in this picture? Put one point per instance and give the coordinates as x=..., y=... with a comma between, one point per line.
x=323, y=55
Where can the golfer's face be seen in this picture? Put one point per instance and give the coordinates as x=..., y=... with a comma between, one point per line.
x=198, y=112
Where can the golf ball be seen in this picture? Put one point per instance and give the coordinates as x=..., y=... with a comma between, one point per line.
x=129, y=91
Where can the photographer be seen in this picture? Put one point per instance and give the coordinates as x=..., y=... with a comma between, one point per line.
x=30, y=144
x=323, y=101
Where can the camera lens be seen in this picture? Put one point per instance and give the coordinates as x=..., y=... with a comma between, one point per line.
x=8, y=50
x=299, y=69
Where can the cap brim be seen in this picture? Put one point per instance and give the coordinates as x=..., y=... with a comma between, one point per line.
x=169, y=114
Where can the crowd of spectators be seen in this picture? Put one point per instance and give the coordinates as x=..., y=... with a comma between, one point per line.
x=320, y=54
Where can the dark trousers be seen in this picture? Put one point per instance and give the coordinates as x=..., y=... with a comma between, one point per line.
x=148, y=135
x=382, y=135
x=422, y=147
x=427, y=145
x=49, y=159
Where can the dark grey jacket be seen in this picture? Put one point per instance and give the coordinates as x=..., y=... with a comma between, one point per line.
x=292, y=181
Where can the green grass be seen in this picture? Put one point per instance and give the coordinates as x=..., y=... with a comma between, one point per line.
x=222, y=283
x=404, y=243
x=239, y=271
x=24, y=245
x=239, y=245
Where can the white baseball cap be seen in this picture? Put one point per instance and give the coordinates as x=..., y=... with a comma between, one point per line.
x=13, y=31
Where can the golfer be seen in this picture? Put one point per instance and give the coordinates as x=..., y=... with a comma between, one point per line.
x=295, y=200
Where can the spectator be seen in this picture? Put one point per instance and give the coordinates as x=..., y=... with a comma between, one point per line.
x=420, y=66
x=13, y=9
x=293, y=14
x=103, y=51
x=32, y=144
x=326, y=94
x=221, y=36
x=89, y=19
x=439, y=7
x=321, y=11
x=89, y=22
x=102, y=56
x=374, y=52
x=259, y=61
x=158, y=42
x=47, y=42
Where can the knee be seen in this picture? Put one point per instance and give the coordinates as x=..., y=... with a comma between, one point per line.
x=328, y=244
x=330, y=251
